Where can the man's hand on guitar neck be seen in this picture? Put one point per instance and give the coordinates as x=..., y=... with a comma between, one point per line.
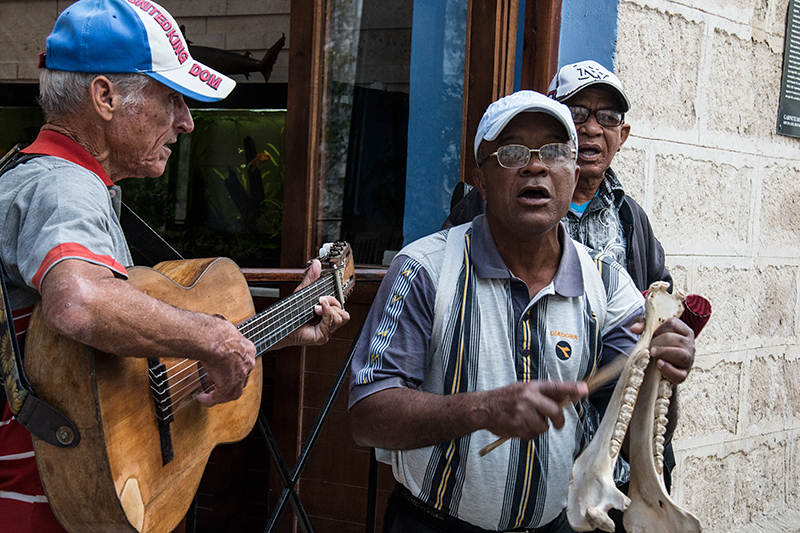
x=331, y=316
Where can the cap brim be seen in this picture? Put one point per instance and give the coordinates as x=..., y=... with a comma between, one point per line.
x=621, y=98
x=500, y=126
x=196, y=81
x=501, y=112
x=565, y=121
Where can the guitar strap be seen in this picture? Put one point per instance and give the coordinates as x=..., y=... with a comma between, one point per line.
x=38, y=417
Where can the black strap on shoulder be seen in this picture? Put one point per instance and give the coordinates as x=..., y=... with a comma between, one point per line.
x=14, y=157
x=36, y=416
x=143, y=240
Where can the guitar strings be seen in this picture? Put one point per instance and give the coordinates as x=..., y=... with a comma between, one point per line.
x=187, y=364
x=184, y=385
x=282, y=314
x=253, y=328
x=187, y=390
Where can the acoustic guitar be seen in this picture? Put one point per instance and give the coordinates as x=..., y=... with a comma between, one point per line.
x=144, y=439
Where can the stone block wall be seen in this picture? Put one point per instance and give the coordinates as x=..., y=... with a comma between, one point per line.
x=723, y=189
x=237, y=25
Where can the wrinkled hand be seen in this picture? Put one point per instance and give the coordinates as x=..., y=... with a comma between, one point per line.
x=331, y=315
x=230, y=366
x=523, y=409
x=673, y=346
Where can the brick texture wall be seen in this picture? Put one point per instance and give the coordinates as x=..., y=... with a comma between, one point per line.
x=722, y=190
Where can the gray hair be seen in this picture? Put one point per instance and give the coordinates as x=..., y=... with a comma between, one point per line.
x=63, y=94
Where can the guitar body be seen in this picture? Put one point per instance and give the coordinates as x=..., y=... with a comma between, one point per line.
x=115, y=479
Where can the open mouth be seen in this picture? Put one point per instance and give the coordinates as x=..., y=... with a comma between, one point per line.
x=589, y=152
x=534, y=193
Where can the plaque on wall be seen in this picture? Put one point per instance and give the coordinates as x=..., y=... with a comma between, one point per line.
x=789, y=106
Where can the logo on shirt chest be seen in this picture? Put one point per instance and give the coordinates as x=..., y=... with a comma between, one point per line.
x=556, y=333
x=563, y=350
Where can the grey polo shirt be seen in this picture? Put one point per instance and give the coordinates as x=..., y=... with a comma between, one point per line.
x=59, y=206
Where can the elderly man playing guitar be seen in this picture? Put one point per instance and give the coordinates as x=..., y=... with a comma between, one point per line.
x=113, y=82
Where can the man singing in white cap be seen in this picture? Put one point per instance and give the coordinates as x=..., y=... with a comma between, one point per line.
x=485, y=329
x=112, y=87
x=601, y=215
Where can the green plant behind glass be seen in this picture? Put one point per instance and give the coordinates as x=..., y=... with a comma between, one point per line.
x=222, y=194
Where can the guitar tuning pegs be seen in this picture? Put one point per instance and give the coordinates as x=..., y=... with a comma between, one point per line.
x=325, y=250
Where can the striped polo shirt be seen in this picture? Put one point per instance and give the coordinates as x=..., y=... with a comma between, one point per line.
x=491, y=333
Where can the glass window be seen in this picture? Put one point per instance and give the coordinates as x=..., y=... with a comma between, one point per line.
x=390, y=123
x=222, y=192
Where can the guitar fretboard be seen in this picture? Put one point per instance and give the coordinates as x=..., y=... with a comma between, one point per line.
x=276, y=322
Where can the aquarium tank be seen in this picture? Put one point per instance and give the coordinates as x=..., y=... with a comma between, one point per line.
x=222, y=192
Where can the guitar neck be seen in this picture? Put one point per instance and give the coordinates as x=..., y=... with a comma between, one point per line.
x=273, y=324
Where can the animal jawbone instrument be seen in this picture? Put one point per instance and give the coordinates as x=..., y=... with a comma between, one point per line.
x=640, y=401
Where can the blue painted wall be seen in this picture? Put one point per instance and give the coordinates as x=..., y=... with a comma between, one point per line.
x=588, y=31
x=438, y=40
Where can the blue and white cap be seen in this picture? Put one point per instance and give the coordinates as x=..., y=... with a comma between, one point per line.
x=128, y=36
x=500, y=113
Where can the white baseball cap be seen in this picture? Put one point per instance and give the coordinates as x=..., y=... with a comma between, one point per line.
x=500, y=113
x=577, y=76
x=128, y=36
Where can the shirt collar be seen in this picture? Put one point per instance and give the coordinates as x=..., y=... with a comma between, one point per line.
x=488, y=263
x=56, y=144
x=613, y=187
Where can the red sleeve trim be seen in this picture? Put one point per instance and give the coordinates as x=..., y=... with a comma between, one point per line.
x=73, y=250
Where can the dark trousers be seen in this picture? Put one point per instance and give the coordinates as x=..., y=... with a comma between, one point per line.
x=407, y=514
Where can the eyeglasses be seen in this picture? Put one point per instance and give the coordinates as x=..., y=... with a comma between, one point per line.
x=517, y=155
x=605, y=117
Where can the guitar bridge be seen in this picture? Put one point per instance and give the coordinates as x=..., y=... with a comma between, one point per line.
x=159, y=388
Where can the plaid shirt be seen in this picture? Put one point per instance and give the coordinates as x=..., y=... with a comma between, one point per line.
x=600, y=227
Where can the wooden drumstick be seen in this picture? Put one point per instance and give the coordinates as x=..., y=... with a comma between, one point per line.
x=604, y=375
